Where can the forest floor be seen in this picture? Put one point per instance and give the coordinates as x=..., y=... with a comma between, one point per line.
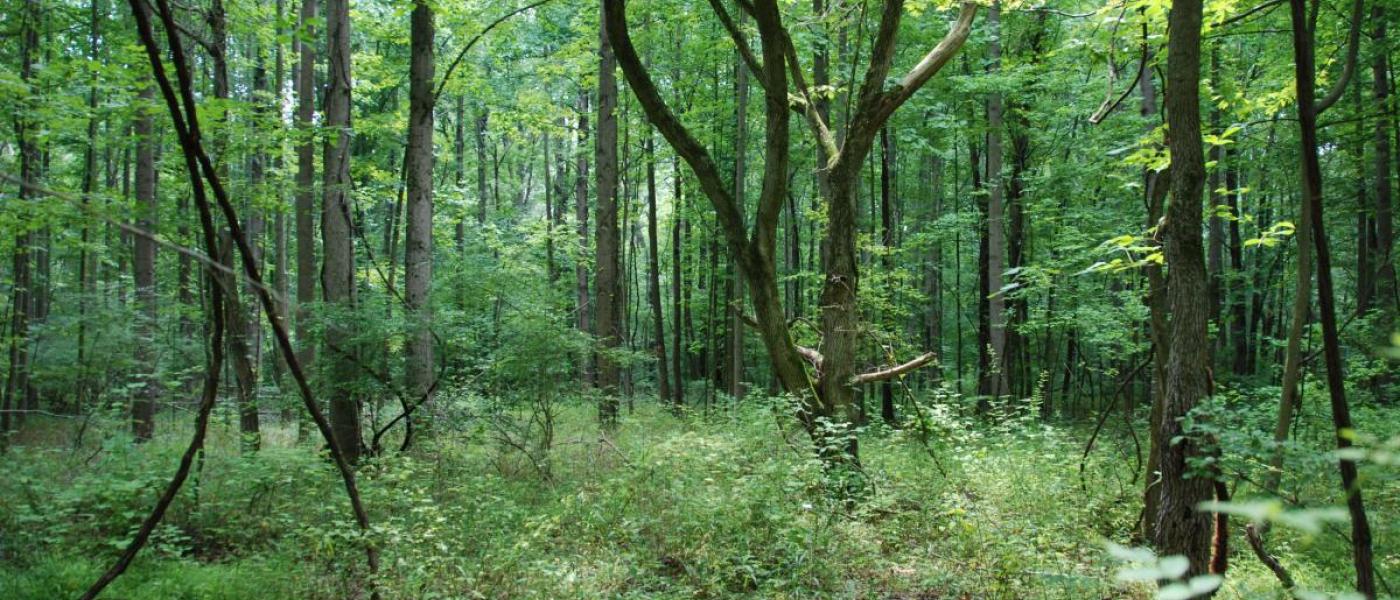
x=709, y=506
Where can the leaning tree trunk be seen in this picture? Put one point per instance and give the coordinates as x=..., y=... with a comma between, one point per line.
x=1305, y=76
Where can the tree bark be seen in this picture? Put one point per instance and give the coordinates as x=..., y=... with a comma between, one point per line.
x=1305, y=76
x=607, y=267
x=1181, y=528
x=306, y=187
x=1385, y=226
x=663, y=380
x=143, y=406
x=418, y=243
x=996, y=380
x=338, y=268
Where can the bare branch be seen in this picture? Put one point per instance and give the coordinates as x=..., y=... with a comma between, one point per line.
x=895, y=371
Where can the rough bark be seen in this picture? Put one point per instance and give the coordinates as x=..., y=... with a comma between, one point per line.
x=1180, y=527
x=607, y=268
x=338, y=266
x=306, y=187
x=418, y=243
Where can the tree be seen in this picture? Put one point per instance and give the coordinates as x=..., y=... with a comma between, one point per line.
x=607, y=269
x=834, y=363
x=1181, y=528
x=337, y=243
x=305, y=185
x=1308, y=109
x=143, y=405
x=658, y=316
x=418, y=251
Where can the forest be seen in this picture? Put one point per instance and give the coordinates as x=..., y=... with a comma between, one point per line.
x=886, y=299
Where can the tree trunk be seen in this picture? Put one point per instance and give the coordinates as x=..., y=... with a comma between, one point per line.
x=143, y=406
x=996, y=226
x=581, y=286
x=306, y=189
x=1181, y=528
x=17, y=384
x=1385, y=227
x=608, y=267
x=338, y=268
x=734, y=353
x=654, y=278
x=418, y=243
x=1305, y=76
x=677, y=300
x=887, y=181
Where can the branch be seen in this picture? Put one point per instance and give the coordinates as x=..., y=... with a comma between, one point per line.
x=936, y=58
x=731, y=220
x=1353, y=48
x=811, y=355
x=875, y=107
x=895, y=371
x=740, y=42
x=1251, y=532
x=472, y=42
x=1246, y=14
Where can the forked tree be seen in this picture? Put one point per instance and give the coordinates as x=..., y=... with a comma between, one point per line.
x=823, y=379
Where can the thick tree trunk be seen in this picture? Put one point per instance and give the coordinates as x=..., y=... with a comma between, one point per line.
x=306, y=188
x=418, y=243
x=608, y=273
x=1181, y=528
x=338, y=256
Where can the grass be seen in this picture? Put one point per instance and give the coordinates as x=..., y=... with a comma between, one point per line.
x=723, y=506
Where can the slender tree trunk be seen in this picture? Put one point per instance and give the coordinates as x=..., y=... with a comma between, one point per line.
x=1385, y=227
x=1305, y=76
x=654, y=278
x=887, y=180
x=1181, y=528
x=734, y=361
x=677, y=299
x=143, y=406
x=338, y=268
x=581, y=286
